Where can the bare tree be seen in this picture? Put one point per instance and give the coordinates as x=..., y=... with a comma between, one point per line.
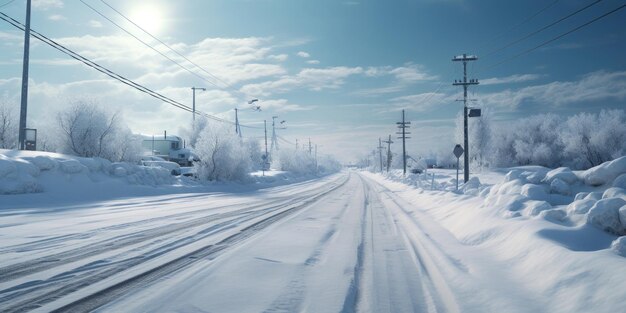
x=88, y=131
x=8, y=125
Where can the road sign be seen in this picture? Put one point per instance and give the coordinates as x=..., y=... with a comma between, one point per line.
x=458, y=151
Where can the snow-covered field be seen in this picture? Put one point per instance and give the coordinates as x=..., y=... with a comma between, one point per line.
x=509, y=241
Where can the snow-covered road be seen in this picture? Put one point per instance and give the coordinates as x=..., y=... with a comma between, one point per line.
x=344, y=243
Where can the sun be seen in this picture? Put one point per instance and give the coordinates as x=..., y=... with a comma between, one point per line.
x=149, y=17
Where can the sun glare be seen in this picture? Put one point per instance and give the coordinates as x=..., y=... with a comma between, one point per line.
x=149, y=17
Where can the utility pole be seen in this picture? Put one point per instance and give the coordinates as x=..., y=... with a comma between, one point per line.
x=465, y=58
x=24, y=100
x=403, y=126
x=380, y=153
x=274, y=139
x=237, y=127
x=296, y=144
x=315, y=158
x=194, y=101
x=310, y=147
x=388, y=142
x=265, y=160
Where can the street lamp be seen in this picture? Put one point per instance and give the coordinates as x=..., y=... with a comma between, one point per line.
x=194, y=100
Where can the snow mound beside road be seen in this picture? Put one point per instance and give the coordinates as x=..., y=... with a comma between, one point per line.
x=596, y=197
x=25, y=171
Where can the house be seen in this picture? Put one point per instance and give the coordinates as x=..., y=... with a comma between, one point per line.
x=170, y=148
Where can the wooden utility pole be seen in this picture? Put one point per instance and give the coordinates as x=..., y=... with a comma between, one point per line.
x=403, y=126
x=24, y=100
x=380, y=153
x=465, y=58
x=388, y=142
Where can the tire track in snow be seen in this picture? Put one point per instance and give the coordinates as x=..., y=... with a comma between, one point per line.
x=101, y=297
x=17, y=270
x=351, y=301
x=436, y=292
x=291, y=299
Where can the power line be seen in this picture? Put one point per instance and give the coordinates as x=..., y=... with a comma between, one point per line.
x=528, y=19
x=108, y=72
x=169, y=47
x=149, y=46
x=542, y=29
x=556, y=38
x=4, y=5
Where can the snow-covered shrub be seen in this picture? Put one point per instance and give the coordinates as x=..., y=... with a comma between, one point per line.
x=553, y=215
x=605, y=215
x=558, y=186
x=614, y=192
x=299, y=162
x=7, y=167
x=72, y=167
x=44, y=163
x=535, y=192
x=563, y=173
x=622, y=216
x=533, y=208
x=620, y=181
x=9, y=123
x=619, y=246
x=605, y=172
x=222, y=155
x=581, y=206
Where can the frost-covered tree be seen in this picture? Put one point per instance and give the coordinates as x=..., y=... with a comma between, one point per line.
x=253, y=147
x=591, y=139
x=222, y=155
x=9, y=124
x=538, y=141
x=87, y=130
x=295, y=161
x=193, y=134
x=479, y=136
x=127, y=146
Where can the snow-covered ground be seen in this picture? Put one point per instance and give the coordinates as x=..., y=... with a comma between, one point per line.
x=510, y=240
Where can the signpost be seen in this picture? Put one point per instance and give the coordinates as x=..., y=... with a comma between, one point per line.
x=458, y=152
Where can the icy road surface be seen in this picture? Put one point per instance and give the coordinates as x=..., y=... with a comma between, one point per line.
x=343, y=243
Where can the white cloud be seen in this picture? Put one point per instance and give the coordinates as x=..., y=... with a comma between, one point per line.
x=282, y=105
x=591, y=87
x=303, y=54
x=517, y=78
x=314, y=62
x=370, y=92
x=310, y=78
x=47, y=4
x=409, y=73
x=94, y=24
x=278, y=57
x=57, y=17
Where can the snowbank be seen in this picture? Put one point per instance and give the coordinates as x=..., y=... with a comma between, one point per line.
x=30, y=171
x=595, y=197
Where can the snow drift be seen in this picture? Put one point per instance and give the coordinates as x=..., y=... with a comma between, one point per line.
x=25, y=171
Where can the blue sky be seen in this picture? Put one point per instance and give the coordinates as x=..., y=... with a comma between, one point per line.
x=339, y=72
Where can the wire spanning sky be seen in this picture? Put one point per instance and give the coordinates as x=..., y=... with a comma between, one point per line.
x=338, y=72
